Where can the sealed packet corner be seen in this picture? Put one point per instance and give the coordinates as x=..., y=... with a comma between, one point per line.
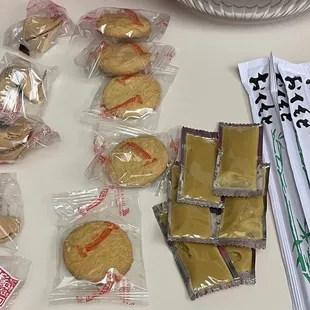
x=46, y=21
x=204, y=268
x=198, y=160
x=134, y=100
x=11, y=212
x=129, y=157
x=25, y=87
x=121, y=24
x=14, y=272
x=188, y=223
x=243, y=221
x=238, y=169
x=105, y=57
x=100, y=252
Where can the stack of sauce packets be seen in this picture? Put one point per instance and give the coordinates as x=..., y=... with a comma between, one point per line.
x=215, y=216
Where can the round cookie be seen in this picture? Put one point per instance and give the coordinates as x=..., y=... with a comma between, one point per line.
x=131, y=96
x=93, y=248
x=124, y=59
x=124, y=26
x=137, y=161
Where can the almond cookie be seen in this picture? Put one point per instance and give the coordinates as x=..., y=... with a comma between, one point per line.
x=93, y=249
x=137, y=161
x=123, y=59
x=124, y=25
x=9, y=227
x=14, y=138
x=131, y=96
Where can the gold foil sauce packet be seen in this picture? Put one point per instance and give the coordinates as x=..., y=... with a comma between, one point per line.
x=237, y=163
x=204, y=264
x=199, y=166
x=187, y=220
x=244, y=217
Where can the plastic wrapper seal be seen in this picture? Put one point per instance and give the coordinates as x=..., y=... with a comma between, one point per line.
x=243, y=221
x=188, y=223
x=238, y=169
x=244, y=260
x=17, y=137
x=100, y=254
x=198, y=160
x=204, y=268
x=14, y=272
x=24, y=87
x=132, y=99
x=45, y=22
x=11, y=212
x=122, y=24
x=115, y=59
x=130, y=157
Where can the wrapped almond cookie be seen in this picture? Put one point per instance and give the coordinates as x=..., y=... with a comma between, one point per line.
x=11, y=212
x=198, y=160
x=134, y=100
x=205, y=268
x=14, y=272
x=19, y=136
x=129, y=157
x=238, y=169
x=100, y=257
x=243, y=260
x=24, y=87
x=122, y=24
x=187, y=222
x=108, y=58
x=46, y=21
x=243, y=221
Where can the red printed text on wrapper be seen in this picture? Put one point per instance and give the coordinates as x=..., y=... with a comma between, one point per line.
x=8, y=284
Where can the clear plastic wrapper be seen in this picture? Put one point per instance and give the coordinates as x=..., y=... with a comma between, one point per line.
x=122, y=24
x=14, y=272
x=100, y=253
x=19, y=136
x=115, y=59
x=134, y=100
x=11, y=212
x=204, y=268
x=198, y=160
x=238, y=169
x=244, y=260
x=130, y=157
x=243, y=221
x=188, y=223
x=24, y=87
x=45, y=22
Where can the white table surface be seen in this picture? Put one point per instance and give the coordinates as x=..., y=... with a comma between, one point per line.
x=207, y=90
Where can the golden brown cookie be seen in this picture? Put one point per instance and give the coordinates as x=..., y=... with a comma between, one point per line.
x=94, y=248
x=14, y=138
x=9, y=227
x=137, y=161
x=124, y=25
x=131, y=96
x=124, y=58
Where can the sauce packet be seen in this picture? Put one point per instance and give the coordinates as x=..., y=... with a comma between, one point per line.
x=187, y=222
x=238, y=169
x=243, y=221
x=243, y=260
x=198, y=160
x=204, y=268
x=287, y=207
